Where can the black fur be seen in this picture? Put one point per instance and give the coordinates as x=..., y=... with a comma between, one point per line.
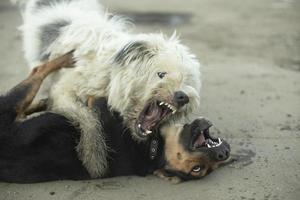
x=134, y=51
x=47, y=3
x=42, y=148
x=49, y=33
x=127, y=156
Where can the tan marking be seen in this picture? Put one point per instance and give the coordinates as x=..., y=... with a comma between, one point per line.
x=162, y=174
x=178, y=158
x=39, y=106
x=172, y=147
x=91, y=102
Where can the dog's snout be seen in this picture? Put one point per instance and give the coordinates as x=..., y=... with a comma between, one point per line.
x=181, y=98
x=222, y=155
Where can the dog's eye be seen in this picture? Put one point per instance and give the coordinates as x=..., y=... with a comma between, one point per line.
x=197, y=168
x=161, y=74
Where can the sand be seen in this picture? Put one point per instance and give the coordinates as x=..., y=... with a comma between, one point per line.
x=250, y=55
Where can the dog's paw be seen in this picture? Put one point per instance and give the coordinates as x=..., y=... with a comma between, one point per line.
x=161, y=173
x=65, y=61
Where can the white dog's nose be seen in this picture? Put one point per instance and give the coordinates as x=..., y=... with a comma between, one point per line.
x=181, y=98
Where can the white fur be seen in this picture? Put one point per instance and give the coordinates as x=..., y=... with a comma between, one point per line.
x=97, y=39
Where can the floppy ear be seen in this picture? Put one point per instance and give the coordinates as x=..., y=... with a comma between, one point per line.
x=161, y=173
x=200, y=124
x=133, y=51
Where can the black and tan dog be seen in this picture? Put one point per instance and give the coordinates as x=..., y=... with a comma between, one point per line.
x=35, y=148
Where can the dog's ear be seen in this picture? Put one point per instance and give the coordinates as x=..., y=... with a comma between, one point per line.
x=133, y=51
x=161, y=173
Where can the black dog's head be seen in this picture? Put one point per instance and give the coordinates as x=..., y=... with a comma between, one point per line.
x=190, y=152
x=185, y=151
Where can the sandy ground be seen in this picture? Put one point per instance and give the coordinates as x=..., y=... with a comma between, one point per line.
x=250, y=52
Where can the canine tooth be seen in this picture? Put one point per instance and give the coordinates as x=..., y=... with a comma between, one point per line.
x=161, y=103
x=139, y=125
x=208, y=145
x=220, y=142
x=174, y=111
x=148, y=132
x=173, y=108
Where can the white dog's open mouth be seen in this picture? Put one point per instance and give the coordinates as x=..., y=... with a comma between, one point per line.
x=152, y=115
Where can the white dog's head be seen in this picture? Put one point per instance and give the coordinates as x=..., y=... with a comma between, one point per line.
x=153, y=80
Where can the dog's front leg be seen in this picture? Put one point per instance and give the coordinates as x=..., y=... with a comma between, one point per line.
x=39, y=106
x=14, y=104
x=161, y=173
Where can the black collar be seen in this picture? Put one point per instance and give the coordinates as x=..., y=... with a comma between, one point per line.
x=153, y=151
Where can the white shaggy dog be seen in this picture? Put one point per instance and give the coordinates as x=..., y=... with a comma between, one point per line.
x=148, y=78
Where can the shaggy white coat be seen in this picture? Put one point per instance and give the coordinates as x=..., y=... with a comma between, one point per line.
x=98, y=38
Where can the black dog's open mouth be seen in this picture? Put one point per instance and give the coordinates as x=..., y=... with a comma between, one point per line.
x=204, y=140
x=153, y=113
x=199, y=140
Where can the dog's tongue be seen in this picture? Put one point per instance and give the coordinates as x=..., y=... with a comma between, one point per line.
x=200, y=140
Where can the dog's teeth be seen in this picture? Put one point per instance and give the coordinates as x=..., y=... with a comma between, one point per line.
x=208, y=145
x=148, y=132
x=220, y=142
x=173, y=108
x=139, y=125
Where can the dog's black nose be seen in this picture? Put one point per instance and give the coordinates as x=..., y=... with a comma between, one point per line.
x=181, y=98
x=222, y=155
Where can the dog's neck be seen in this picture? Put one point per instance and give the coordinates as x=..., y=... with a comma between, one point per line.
x=127, y=156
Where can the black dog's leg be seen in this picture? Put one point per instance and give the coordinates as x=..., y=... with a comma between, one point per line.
x=14, y=104
x=39, y=106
